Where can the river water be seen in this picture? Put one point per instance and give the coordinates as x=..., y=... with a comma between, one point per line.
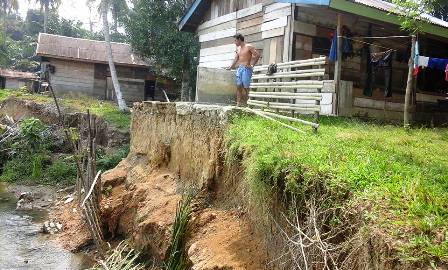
x=23, y=247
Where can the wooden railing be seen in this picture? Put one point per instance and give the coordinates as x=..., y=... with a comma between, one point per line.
x=294, y=89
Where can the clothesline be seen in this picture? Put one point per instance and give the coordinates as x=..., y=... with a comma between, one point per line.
x=388, y=37
x=360, y=41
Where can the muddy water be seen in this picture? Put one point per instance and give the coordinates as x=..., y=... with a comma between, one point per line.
x=23, y=247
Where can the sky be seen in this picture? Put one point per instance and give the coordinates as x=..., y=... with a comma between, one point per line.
x=69, y=9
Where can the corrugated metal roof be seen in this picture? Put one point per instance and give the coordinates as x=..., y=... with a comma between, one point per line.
x=7, y=73
x=389, y=7
x=85, y=50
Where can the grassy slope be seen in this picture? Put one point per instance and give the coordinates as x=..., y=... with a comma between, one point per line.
x=108, y=110
x=402, y=174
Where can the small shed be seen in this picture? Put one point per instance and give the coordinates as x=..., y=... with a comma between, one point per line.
x=11, y=79
x=80, y=66
x=288, y=30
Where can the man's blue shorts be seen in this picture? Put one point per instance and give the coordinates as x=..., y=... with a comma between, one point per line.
x=243, y=76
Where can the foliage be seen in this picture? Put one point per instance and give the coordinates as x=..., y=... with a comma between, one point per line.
x=28, y=157
x=153, y=33
x=106, y=162
x=406, y=171
x=175, y=259
x=19, y=44
x=61, y=171
x=411, y=11
x=120, y=258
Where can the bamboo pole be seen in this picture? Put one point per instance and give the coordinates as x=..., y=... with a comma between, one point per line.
x=338, y=64
x=407, y=98
x=312, y=60
x=272, y=119
x=292, y=119
x=290, y=75
x=317, y=95
x=292, y=96
x=289, y=86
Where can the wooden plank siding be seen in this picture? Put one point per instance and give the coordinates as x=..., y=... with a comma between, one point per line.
x=262, y=22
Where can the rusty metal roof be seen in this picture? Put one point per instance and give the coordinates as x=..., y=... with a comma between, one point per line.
x=7, y=73
x=86, y=50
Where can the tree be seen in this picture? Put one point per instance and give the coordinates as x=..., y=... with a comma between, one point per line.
x=104, y=10
x=152, y=31
x=119, y=9
x=45, y=5
x=6, y=7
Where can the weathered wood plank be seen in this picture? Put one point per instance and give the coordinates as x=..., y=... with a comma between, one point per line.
x=276, y=14
x=305, y=28
x=273, y=33
x=218, y=34
x=217, y=57
x=218, y=20
x=253, y=38
x=219, y=27
x=273, y=51
x=280, y=22
x=249, y=23
x=378, y=104
x=272, y=7
x=217, y=42
x=249, y=11
x=250, y=30
x=217, y=64
x=218, y=50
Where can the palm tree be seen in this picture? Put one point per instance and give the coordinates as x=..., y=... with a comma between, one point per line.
x=6, y=7
x=117, y=8
x=45, y=5
x=104, y=7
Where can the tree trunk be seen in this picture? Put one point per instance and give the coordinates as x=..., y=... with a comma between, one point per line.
x=113, y=72
x=407, y=98
x=185, y=88
x=46, y=11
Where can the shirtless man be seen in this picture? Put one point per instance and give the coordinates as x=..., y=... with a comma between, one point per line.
x=246, y=57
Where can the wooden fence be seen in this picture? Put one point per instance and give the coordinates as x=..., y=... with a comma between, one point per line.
x=294, y=89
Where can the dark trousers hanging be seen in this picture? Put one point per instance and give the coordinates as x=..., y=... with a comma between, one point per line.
x=375, y=63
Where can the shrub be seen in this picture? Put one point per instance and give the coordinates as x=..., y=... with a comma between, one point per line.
x=106, y=162
x=61, y=172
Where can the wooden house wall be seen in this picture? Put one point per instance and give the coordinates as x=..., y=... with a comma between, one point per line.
x=264, y=24
x=72, y=77
x=14, y=83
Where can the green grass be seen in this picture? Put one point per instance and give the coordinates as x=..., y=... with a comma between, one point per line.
x=105, y=109
x=402, y=175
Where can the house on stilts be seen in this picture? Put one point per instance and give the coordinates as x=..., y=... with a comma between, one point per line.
x=374, y=52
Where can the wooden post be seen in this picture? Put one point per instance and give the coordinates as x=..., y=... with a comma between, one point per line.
x=409, y=86
x=338, y=64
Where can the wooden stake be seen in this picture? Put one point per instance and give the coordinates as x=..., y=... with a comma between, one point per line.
x=338, y=64
x=407, y=98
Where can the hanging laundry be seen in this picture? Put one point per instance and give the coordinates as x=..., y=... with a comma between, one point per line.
x=334, y=48
x=380, y=61
x=437, y=63
x=423, y=61
x=446, y=73
x=416, y=59
x=347, y=46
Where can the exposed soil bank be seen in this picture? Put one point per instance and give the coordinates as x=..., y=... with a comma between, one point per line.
x=182, y=144
x=107, y=136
